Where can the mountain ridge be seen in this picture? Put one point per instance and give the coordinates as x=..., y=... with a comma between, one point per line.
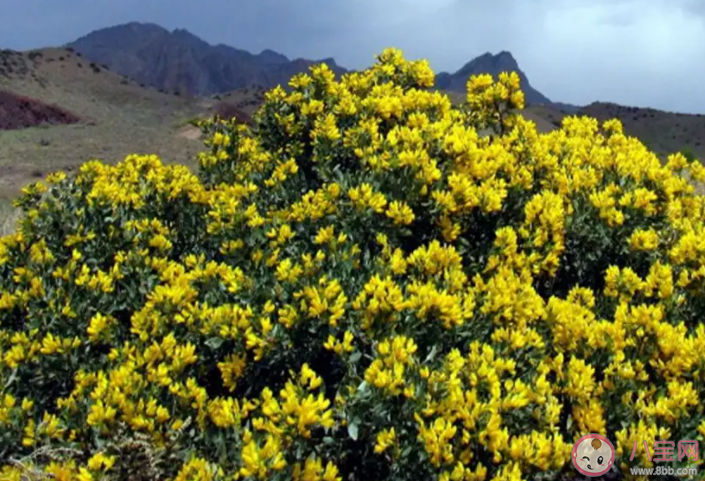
x=180, y=61
x=488, y=63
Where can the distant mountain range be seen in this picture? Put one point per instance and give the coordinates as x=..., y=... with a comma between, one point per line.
x=179, y=61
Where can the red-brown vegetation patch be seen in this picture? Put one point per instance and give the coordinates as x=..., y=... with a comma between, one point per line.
x=226, y=110
x=17, y=112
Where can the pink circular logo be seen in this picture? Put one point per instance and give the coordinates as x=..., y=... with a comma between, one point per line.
x=593, y=455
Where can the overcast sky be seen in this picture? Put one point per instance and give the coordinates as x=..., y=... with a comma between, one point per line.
x=633, y=52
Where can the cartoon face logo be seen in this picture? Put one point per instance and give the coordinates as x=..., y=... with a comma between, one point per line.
x=593, y=455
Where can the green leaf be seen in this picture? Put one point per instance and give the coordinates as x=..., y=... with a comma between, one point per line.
x=431, y=355
x=12, y=378
x=352, y=431
x=215, y=342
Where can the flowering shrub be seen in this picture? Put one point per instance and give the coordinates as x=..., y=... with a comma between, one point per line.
x=359, y=287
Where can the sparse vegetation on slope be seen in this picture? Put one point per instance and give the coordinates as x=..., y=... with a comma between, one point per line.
x=18, y=112
x=663, y=132
x=119, y=116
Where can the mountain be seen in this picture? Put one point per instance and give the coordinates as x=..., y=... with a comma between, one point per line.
x=179, y=61
x=493, y=64
x=567, y=108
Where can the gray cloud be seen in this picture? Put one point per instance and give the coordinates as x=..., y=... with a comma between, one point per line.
x=634, y=52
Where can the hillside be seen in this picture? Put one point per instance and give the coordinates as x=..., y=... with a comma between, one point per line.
x=247, y=99
x=241, y=104
x=663, y=132
x=17, y=112
x=118, y=117
x=179, y=61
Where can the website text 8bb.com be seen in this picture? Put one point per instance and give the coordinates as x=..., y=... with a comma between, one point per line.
x=664, y=471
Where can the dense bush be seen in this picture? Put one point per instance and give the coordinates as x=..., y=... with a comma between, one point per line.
x=368, y=284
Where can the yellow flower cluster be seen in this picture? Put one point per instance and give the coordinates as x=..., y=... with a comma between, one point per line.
x=370, y=283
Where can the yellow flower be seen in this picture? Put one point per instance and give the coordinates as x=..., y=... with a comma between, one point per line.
x=364, y=197
x=385, y=439
x=196, y=469
x=97, y=325
x=84, y=475
x=644, y=240
x=99, y=413
x=400, y=213
x=258, y=461
x=100, y=461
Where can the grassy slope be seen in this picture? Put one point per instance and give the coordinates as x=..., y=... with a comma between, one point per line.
x=248, y=99
x=663, y=132
x=122, y=118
